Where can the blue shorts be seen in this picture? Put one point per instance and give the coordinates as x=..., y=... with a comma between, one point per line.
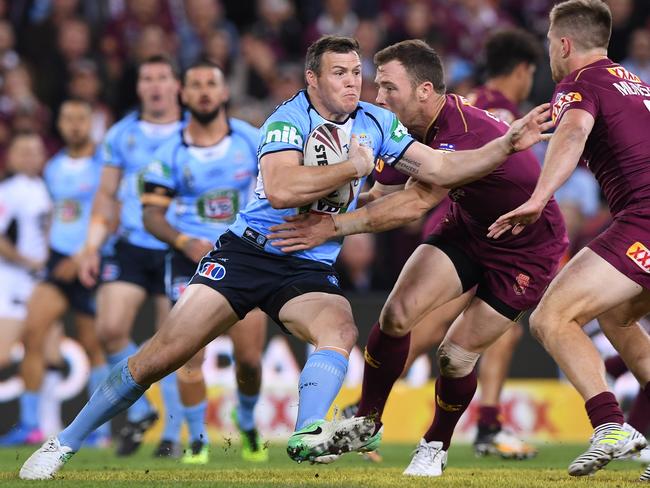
x=137, y=265
x=80, y=298
x=249, y=277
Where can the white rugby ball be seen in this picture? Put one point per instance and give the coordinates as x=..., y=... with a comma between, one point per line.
x=328, y=144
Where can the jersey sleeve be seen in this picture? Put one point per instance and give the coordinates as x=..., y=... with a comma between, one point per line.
x=251, y=136
x=396, y=138
x=160, y=186
x=285, y=130
x=387, y=175
x=572, y=95
x=111, y=151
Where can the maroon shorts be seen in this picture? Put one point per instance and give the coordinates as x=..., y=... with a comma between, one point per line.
x=435, y=217
x=625, y=244
x=511, y=274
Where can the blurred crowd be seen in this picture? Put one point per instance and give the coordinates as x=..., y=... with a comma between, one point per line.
x=51, y=50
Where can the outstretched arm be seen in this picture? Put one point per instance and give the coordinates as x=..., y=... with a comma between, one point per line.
x=562, y=157
x=454, y=169
x=388, y=212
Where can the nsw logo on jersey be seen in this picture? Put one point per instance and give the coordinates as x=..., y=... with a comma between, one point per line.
x=212, y=271
x=640, y=255
x=562, y=101
x=284, y=132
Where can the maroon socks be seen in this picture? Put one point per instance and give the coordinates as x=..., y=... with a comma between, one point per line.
x=488, y=417
x=385, y=357
x=615, y=366
x=453, y=396
x=639, y=416
x=603, y=408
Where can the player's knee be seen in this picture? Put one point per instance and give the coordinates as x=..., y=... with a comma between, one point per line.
x=111, y=334
x=454, y=361
x=394, y=319
x=537, y=323
x=348, y=335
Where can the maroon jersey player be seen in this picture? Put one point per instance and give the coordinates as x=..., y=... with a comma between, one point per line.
x=510, y=274
x=602, y=112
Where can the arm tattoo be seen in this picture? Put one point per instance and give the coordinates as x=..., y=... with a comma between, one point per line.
x=408, y=166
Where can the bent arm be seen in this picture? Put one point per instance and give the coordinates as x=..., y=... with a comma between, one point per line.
x=563, y=153
x=155, y=221
x=378, y=190
x=289, y=184
x=390, y=211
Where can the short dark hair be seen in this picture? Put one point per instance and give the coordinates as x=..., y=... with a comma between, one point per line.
x=201, y=63
x=77, y=101
x=421, y=61
x=160, y=59
x=588, y=22
x=334, y=44
x=506, y=49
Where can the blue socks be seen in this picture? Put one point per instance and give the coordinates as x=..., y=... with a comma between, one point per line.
x=115, y=394
x=246, y=411
x=173, y=408
x=142, y=408
x=319, y=383
x=29, y=409
x=195, y=418
x=97, y=375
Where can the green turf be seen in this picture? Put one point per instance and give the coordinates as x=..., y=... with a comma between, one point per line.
x=92, y=468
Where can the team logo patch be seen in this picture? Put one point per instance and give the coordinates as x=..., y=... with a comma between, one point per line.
x=640, y=255
x=212, y=271
x=333, y=279
x=445, y=146
x=521, y=283
x=624, y=74
x=110, y=272
x=562, y=101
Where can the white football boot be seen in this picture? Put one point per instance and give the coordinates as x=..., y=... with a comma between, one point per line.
x=46, y=461
x=429, y=459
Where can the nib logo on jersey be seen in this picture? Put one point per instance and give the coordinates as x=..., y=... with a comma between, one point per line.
x=284, y=132
x=212, y=271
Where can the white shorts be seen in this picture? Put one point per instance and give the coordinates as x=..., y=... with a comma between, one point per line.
x=16, y=286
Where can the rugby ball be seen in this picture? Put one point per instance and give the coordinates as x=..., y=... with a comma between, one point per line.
x=328, y=144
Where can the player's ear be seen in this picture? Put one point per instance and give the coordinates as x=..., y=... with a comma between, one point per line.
x=424, y=91
x=311, y=78
x=567, y=46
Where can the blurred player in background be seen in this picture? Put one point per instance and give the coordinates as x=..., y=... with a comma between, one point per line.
x=502, y=279
x=72, y=177
x=208, y=170
x=135, y=269
x=25, y=209
x=299, y=291
x=601, y=112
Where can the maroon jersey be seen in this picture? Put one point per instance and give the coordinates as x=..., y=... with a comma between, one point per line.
x=618, y=149
x=494, y=102
x=460, y=126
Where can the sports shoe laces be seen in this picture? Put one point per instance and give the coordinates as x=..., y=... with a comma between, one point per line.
x=610, y=433
x=425, y=455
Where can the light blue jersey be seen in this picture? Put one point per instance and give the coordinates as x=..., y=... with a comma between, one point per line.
x=209, y=184
x=287, y=129
x=72, y=183
x=129, y=145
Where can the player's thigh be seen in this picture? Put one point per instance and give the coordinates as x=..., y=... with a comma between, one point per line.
x=87, y=336
x=11, y=331
x=478, y=327
x=162, y=306
x=428, y=280
x=118, y=303
x=248, y=337
x=52, y=349
x=430, y=331
x=321, y=319
x=627, y=313
x=586, y=287
x=46, y=305
x=198, y=317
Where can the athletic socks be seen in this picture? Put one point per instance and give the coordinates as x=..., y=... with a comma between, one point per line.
x=115, y=394
x=195, y=418
x=488, y=417
x=320, y=382
x=385, y=357
x=615, y=366
x=603, y=408
x=453, y=396
x=142, y=408
x=97, y=375
x=246, y=411
x=173, y=408
x=639, y=416
x=29, y=409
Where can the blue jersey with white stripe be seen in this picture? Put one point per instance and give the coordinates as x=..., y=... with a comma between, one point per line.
x=72, y=183
x=129, y=145
x=287, y=129
x=209, y=184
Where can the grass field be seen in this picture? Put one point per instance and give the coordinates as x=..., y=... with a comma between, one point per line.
x=92, y=468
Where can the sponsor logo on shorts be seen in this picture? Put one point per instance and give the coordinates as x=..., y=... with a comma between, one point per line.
x=110, y=272
x=178, y=287
x=447, y=407
x=562, y=101
x=212, y=271
x=333, y=279
x=521, y=283
x=640, y=254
